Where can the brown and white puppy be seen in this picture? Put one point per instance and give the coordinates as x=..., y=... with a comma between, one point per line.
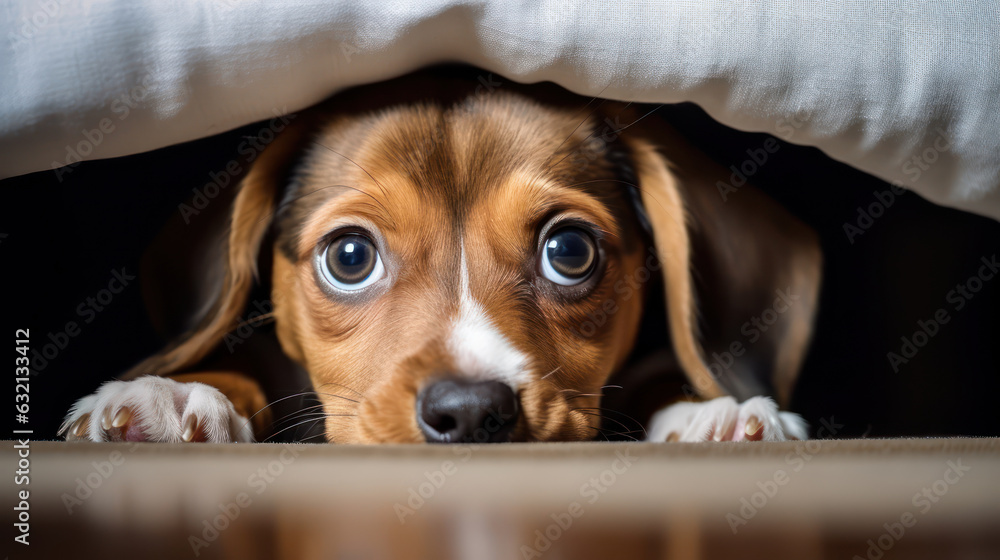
x=454, y=264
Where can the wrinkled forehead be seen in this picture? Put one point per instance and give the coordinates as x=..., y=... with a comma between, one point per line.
x=484, y=162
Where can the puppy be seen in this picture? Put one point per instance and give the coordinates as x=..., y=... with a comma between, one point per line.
x=454, y=264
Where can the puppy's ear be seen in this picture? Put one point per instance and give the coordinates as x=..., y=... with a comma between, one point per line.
x=249, y=223
x=667, y=217
x=741, y=274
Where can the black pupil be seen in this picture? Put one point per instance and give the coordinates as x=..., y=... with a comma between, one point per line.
x=351, y=258
x=571, y=252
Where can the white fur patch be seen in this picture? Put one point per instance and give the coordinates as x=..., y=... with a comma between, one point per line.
x=723, y=419
x=480, y=350
x=161, y=405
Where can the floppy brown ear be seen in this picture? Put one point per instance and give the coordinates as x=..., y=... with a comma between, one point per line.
x=741, y=274
x=249, y=222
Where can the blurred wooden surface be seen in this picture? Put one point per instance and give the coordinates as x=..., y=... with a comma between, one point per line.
x=870, y=499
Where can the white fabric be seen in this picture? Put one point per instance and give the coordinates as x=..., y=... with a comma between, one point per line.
x=873, y=83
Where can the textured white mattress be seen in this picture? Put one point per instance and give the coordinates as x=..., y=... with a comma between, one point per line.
x=908, y=90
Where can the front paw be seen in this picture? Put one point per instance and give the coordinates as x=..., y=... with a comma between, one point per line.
x=723, y=419
x=156, y=409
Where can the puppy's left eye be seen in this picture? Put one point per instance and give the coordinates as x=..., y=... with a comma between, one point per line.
x=351, y=262
x=569, y=256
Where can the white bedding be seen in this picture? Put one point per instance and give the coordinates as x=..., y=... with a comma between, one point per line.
x=872, y=83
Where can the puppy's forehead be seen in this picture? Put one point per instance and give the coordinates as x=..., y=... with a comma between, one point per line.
x=497, y=151
x=459, y=153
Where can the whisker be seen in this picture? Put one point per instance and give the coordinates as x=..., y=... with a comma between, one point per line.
x=587, y=118
x=338, y=396
x=582, y=394
x=372, y=177
x=296, y=435
x=272, y=403
x=653, y=110
x=585, y=395
x=627, y=434
x=546, y=376
x=259, y=320
x=599, y=432
x=305, y=439
x=639, y=188
x=303, y=393
x=225, y=233
x=344, y=386
x=592, y=133
x=293, y=414
x=604, y=417
x=303, y=422
x=302, y=415
x=605, y=412
x=375, y=199
x=311, y=416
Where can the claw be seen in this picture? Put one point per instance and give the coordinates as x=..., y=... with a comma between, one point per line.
x=754, y=428
x=80, y=426
x=190, y=428
x=122, y=418
x=673, y=436
x=106, y=420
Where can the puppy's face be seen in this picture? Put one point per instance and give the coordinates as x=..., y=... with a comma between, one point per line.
x=459, y=272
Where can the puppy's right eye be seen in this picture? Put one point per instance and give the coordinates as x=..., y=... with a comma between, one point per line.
x=352, y=262
x=569, y=256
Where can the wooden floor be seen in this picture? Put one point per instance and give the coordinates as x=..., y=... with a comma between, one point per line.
x=869, y=499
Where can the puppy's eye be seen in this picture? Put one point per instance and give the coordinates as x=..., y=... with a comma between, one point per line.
x=569, y=256
x=352, y=262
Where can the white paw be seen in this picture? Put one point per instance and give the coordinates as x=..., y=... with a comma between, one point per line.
x=723, y=419
x=155, y=409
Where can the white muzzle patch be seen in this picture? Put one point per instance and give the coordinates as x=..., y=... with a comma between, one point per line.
x=480, y=350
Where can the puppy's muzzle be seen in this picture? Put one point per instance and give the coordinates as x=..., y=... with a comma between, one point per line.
x=456, y=411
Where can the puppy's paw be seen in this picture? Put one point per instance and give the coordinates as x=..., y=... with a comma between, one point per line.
x=723, y=419
x=156, y=409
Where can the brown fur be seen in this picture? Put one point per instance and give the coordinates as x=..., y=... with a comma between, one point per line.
x=245, y=394
x=424, y=172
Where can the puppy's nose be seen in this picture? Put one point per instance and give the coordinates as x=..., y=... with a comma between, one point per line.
x=454, y=410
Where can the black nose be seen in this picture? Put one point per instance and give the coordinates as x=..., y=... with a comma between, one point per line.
x=453, y=411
